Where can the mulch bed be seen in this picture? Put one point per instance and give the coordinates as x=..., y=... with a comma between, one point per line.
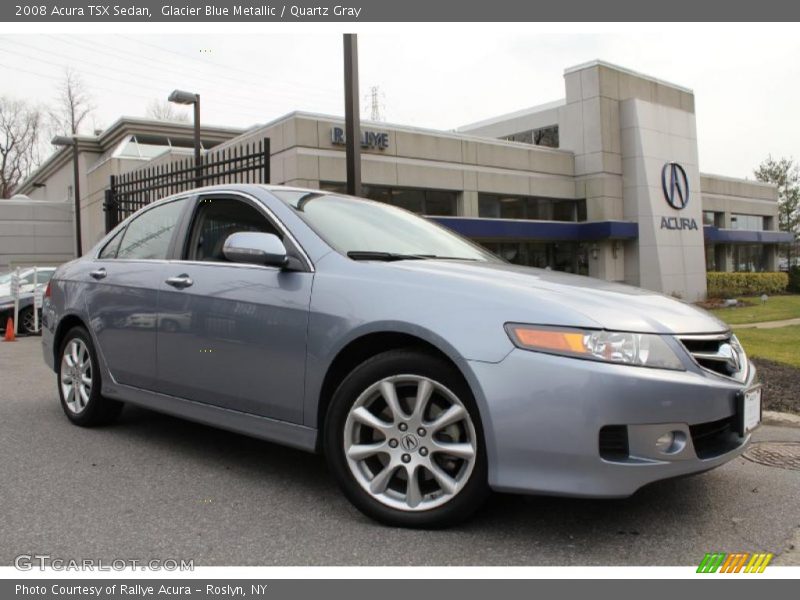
x=781, y=385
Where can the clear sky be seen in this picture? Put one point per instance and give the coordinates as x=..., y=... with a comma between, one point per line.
x=746, y=79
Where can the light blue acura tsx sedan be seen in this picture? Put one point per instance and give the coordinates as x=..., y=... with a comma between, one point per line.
x=427, y=370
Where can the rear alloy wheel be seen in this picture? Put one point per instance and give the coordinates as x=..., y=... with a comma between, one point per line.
x=79, y=382
x=409, y=442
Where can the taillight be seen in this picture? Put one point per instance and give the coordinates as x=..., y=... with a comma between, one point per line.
x=47, y=290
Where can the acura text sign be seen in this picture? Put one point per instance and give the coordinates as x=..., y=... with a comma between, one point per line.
x=369, y=139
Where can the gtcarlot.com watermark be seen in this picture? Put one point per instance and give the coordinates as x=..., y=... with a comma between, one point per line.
x=42, y=562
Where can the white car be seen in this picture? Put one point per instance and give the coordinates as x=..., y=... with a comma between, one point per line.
x=27, y=322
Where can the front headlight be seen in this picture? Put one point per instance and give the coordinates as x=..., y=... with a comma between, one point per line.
x=639, y=349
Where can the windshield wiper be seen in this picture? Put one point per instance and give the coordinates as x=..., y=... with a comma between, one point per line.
x=437, y=257
x=386, y=256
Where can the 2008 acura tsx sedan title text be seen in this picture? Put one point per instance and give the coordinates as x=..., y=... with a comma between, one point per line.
x=427, y=370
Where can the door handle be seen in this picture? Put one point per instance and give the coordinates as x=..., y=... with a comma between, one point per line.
x=99, y=273
x=180, y=282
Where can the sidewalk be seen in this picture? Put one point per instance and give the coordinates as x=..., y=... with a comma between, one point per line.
x=768, y=324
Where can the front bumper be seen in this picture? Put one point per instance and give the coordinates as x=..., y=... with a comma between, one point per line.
x=543, y=414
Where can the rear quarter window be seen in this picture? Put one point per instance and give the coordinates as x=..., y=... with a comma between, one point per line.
x=111, y=247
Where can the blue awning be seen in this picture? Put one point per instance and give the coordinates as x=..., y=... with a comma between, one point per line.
x=740, y=236
x=540, y=230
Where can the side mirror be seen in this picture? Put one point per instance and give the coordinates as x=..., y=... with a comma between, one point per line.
x=254, y=247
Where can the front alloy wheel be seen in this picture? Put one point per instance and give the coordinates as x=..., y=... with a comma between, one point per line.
x=410, y=443
x=404, y=441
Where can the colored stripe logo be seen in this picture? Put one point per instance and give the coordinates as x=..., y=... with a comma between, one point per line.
x=737, y=562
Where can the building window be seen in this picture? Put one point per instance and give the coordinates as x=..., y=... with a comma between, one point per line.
x=713, y=218
x=571, y=257
x=542, y=136
x=497, y=206
x=711, y=258
x=749, y=258
x=422, y=202
x=748, y=222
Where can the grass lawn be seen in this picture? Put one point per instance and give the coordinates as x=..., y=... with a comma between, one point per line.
x=776, y=308
x=780, y=345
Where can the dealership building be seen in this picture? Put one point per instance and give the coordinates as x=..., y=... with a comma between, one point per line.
x=604, y=182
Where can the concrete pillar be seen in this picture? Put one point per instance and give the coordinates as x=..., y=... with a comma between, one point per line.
x=468, y=204
x=610, y=261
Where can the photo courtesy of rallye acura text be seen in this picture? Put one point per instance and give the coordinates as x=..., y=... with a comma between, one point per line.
x=427, y=370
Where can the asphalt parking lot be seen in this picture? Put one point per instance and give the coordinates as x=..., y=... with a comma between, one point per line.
x=153, y=486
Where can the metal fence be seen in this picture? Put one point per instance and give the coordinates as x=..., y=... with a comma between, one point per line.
x=127, y=193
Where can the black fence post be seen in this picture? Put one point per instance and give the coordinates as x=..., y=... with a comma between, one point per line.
x=266, y=161
x=135, y=189
x=110, y=206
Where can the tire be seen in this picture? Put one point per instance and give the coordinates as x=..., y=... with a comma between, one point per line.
x=376, y=452
x=26, y=321
x=81, y=400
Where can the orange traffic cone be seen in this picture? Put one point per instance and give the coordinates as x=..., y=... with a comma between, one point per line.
x=10, y=337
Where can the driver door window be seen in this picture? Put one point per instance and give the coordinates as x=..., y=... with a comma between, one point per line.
x=216, y=219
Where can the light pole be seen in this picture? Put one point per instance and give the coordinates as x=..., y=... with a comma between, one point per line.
x=181, y=97
x=63, y=140
x=352, y=127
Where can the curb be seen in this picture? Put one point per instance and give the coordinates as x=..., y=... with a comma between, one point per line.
x=784, y=419
x=768, y=324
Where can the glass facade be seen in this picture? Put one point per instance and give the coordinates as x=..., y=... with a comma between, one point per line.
x=572, y=257
x=749, y=257
x=543, y=136
x=715, y=257
x=422, y=202
x=748, y=222
x=497, y=206
x=150, y=146
x=716, y=219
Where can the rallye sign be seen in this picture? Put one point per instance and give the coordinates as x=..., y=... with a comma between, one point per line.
x=369, y=139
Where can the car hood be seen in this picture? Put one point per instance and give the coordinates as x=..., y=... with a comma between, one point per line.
x=584, y=301
x=6, y=297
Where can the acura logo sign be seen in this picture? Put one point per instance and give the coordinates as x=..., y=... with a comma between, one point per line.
x=675, y=184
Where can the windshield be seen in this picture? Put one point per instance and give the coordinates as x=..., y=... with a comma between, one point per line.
x=365, y=229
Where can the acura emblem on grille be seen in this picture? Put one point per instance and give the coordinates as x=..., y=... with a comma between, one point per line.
x=730, y=356
x=721, y=354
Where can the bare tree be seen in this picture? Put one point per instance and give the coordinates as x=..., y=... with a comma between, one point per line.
x=161, y=110
x=73, y=105
x=20, y=130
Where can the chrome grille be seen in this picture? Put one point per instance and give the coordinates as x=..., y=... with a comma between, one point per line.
x=719, y=353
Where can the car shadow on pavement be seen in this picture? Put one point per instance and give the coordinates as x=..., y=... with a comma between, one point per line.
x=254, y=458
x=220, y=449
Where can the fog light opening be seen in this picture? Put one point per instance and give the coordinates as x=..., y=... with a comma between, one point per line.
x=671, y=442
